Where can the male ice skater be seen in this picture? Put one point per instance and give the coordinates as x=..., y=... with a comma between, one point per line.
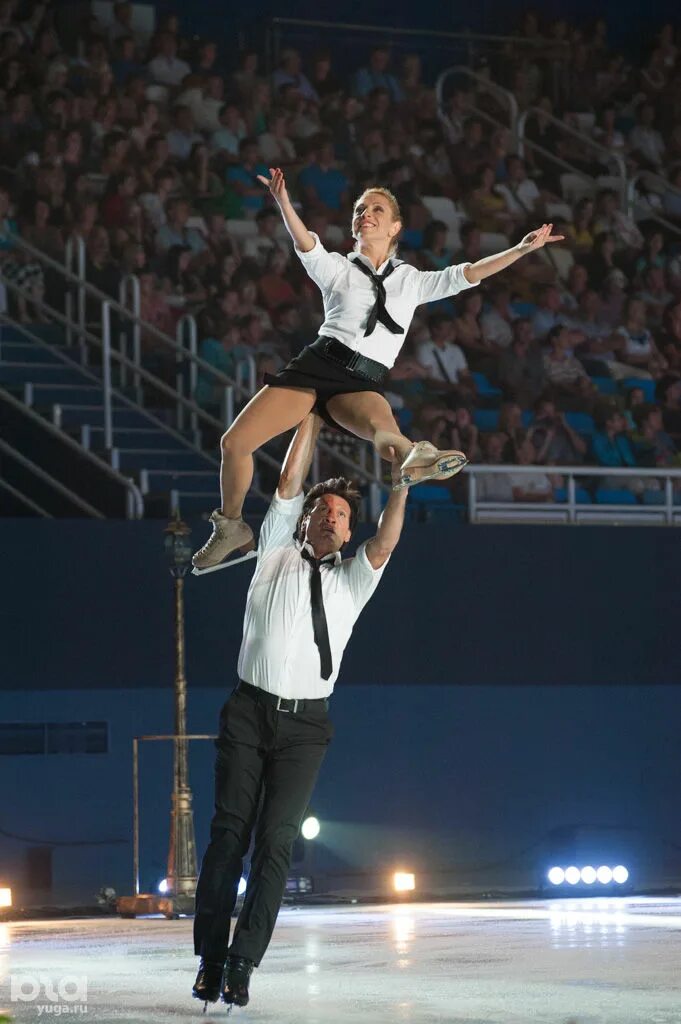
x=302, y=604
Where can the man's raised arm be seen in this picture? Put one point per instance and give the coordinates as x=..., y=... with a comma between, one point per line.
x=299, y=457
x=380, y=547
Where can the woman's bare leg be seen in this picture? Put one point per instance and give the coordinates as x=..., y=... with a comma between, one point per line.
x=269, y=413
x=369, y=416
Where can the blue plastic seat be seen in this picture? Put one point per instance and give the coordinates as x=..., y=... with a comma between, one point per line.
x=430, y=494
x=581, y=422
x=483, y=385
x=405, y=418
x=527, y=309
x=653, y=498
x=606, y=385
x=610, y=496
x=527, y=418
x=486, y=419
x=646, y=386
x=582, y=496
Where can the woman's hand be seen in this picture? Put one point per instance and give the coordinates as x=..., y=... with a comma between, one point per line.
x=275, y=184
x=538, y=239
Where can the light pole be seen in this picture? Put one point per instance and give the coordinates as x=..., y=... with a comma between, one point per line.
x=181, y=878
x=182, y=873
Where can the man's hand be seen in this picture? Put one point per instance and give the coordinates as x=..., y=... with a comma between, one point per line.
x=275, y=184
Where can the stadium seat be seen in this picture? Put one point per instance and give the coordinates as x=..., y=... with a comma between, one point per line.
x=582, y=496
x=653, y=498
x=492, y=242
x=609, y=496
x=430, y=494
x=442, y=208
x=527, y=309
x=486, y=419
x=404, y=418
x=483, y=385
x=242, y=228
x=580, y=421
x=646, y=386
x=606, y=385
x=574, y=187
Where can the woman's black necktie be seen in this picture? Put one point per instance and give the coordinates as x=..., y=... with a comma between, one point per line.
x=319, y=627
x=379, y=314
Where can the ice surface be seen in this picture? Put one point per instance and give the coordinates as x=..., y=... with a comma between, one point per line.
x=601, y=961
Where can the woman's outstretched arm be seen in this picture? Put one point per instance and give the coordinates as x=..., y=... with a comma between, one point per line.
x=477, y=272
x=302, y=238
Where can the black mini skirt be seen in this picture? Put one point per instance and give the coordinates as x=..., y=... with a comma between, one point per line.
x=313, y=370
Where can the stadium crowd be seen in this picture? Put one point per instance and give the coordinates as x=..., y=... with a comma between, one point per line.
x=148, y=150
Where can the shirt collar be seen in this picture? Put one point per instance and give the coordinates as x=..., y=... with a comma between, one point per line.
x=353, y=256
x=330, y=559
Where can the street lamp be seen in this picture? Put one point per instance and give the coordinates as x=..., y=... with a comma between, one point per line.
x=180, y=884
x=182, y=873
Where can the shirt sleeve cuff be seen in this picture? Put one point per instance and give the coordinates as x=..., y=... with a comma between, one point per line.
x=465, y=283
x=364, y=563
x=313, y=253
x=288, y=506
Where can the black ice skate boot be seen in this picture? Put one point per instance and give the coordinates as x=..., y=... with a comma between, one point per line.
x=208, y=984
x=237, y=976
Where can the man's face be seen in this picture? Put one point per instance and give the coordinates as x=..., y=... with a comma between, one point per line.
x=380, y=60
x=327, y=527
x=552, y=300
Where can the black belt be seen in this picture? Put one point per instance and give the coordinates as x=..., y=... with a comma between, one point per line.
x=280, y=703
x=353, y=361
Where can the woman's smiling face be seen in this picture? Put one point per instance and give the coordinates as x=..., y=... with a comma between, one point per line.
x=373, y=220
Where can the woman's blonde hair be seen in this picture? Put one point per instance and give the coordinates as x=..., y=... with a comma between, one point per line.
x=394, y=207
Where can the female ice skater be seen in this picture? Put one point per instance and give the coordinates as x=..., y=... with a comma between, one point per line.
x=369, y=301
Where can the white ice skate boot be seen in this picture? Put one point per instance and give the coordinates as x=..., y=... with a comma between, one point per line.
x=228, y=535
x=426, y=462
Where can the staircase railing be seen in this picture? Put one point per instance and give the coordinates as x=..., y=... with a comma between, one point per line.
x=84, y=336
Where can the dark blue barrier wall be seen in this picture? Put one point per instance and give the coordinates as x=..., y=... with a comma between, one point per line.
x=502, y=683
x=89, y=605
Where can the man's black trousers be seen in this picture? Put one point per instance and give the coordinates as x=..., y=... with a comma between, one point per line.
x=260, y=752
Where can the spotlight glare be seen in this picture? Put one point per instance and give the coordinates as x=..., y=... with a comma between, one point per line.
x=604, y=875
x=5, y=897
x=588, y=875
x=163, y=885
x=242, y=886
x=404, y=881
x=620, y=874
x=310, y=828
x=572, y=875
x=556, y=876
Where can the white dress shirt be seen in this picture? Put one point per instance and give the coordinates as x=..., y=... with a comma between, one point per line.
x=349, y=297
x=278, y=651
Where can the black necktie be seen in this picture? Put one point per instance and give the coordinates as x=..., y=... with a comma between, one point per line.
x=319, y=627
x=379, y=313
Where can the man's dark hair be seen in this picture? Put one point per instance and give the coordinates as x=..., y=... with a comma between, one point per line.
x=337, y=485
x=554, y=333
x=436, y=320
x=642, y=411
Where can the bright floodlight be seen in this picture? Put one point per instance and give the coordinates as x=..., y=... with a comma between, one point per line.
x=556, y=876
x=242, y=886
x=588, y=875
x=5, y=897
x=620, y=874
x=572, y=875
x=604, y=875
x=310, y=828
x=404, y=881
x=163, y=885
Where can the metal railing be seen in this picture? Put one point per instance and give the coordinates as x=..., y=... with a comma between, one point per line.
x=367, y=470
x=572, y=509
x=502, y=96
x=46, y=478
x=634, y=203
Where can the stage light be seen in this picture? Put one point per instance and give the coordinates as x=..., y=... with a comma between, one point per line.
x=163, y=885
x=5, y=898
x=588, y=875
x=556, y=876
x=604, y=875
x=310, y=828
x=404, y=881
x=242, y=886
x=620, y=874
x=572, y=875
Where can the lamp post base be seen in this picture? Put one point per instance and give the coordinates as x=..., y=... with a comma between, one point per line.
x=152, y=903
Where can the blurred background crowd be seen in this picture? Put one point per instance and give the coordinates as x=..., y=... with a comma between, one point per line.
x=147, y=149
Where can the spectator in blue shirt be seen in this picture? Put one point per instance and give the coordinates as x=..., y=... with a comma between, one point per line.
x=243, y=177
x=290, y=73
x=322, y=185
x=377, y=76
x=610, y=445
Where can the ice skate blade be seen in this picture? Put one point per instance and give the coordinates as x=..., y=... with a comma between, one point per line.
x=444, y=469
x=228, y=562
